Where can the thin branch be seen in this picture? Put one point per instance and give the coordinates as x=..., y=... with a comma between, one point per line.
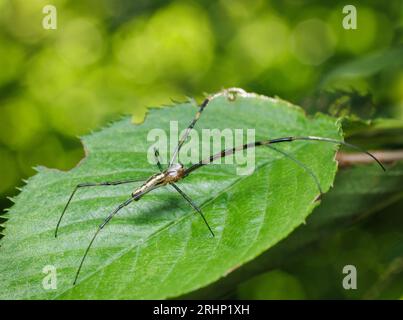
x=384, y=156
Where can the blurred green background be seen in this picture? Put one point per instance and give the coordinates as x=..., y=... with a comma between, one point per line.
x=108, y=58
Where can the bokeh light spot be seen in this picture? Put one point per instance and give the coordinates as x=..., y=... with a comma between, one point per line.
x=313, y=42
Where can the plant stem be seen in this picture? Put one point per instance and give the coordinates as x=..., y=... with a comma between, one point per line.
x=384, y=156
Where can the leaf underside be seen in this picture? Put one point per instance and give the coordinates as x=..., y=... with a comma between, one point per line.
x=158, y=247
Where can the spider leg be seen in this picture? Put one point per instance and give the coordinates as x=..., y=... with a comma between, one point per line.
x=302, y=165
x=229, y=93
x=101, y=226
x=188, y=129
x=91, y=184
x=230, y=151
x=194, y=206
x=157, y=158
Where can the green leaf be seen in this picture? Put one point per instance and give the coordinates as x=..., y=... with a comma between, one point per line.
x=158, y=247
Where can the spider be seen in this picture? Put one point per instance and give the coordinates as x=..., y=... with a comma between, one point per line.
x=176, y=171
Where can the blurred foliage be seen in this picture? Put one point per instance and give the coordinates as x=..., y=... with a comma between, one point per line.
x=111, y=57
x=374, y=247
x=275, y=284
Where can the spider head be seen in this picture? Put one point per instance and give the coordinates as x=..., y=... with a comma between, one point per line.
x=175, y=172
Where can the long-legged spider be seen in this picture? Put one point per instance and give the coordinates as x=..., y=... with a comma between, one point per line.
x=176, y=171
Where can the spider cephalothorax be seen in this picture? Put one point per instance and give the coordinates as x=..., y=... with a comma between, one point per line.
x=174, y=173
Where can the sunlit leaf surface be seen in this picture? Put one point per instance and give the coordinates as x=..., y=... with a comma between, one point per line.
x=158, y=247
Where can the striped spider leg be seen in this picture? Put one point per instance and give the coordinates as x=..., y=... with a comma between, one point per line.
x=230, y=151
x=91, y=184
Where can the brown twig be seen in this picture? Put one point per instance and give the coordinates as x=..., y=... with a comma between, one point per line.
x=384, y=156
